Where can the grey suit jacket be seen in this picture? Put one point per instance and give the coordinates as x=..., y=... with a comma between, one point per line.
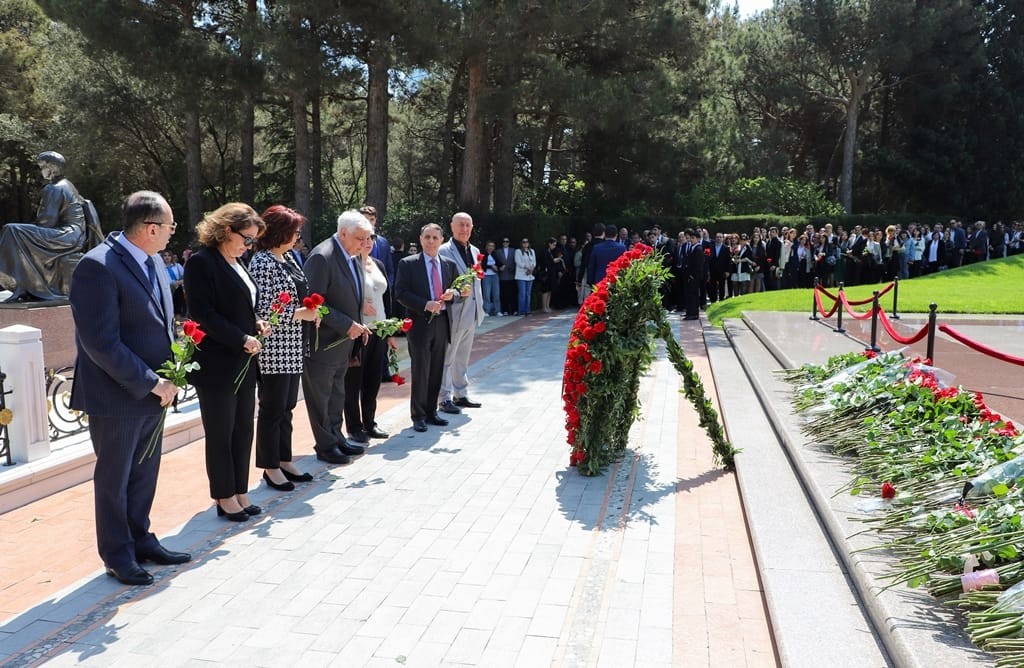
x=469, y=311
x=330, y=276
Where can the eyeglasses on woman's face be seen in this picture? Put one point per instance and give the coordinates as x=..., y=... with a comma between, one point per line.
x=246, y=239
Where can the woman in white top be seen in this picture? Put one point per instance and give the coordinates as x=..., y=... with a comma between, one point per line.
x=366, y=368
x=526, y=262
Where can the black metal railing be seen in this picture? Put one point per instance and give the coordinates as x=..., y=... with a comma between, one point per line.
x=66, y=421
x=5, y=419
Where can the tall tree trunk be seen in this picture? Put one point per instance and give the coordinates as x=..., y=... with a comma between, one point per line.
x=858, y=87
x=448, y=139
x=193, y=164
x=470, y=197
x=553, y=159
x=302, y=159
x=504, y=161
x=316, y=206
x=377, y=128
x=247, y=186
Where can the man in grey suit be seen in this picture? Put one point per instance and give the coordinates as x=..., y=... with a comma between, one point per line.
x=466, y=315
x=334, y=270
x=124, y=325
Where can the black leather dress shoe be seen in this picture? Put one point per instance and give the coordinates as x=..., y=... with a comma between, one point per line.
x=252, y=510
x=377, y=433
x=464, y=402
x=359, y=436
x=448, y=407
x=351, y=449
x=163, y=556
x=333, y=456
x=132, y=574
x=436, y=420
x=419, y=425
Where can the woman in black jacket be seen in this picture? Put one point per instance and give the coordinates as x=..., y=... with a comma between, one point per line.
x=221, y=297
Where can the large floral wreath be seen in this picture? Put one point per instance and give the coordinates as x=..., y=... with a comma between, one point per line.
x=610, y=346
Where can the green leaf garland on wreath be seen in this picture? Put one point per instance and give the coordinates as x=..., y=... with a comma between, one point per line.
x=610, y=346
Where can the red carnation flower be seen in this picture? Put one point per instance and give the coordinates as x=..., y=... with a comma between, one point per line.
x=318, y=299
x=888, y=491
x=407, y=324
x=285, y=298
x=307, y=302
x=397, y=380
x=599, y=327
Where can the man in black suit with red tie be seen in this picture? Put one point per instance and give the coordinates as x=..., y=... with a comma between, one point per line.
x=124, y=325
x=421, y=286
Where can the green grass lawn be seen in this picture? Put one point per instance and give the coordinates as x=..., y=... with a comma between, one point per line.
x=996, y=286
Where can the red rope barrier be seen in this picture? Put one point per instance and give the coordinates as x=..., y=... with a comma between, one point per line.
x=854, y=314
x=828, y=294
x=821, y=309
x=981, y=347
x=861, y=302
x=914, y=338
x=887, y=288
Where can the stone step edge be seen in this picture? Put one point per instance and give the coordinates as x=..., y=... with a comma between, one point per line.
x=769, y=487
x=896, y=613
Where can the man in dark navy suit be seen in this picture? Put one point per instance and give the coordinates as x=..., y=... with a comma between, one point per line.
x=603, y=254
x=124, y=325
x=422, y=288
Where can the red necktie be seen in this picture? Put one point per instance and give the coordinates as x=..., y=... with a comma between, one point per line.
x=435, y=278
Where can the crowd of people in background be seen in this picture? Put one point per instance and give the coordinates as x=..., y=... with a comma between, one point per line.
x=771, y=258
x=554, y=274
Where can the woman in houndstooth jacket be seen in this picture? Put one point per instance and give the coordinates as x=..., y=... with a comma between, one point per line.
x=276, y=273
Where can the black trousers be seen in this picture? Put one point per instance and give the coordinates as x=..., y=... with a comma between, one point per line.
x=427, y=345
x=323, y=387
x=123, y=485
x=362, y=383
x=509, y=296
x=227, y=421
x=278, y=393
x=691, y=296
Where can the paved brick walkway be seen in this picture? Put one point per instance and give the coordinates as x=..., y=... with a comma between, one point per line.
x=470, y=545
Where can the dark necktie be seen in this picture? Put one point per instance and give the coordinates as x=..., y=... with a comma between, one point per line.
x=359, y=284
x=154, y=284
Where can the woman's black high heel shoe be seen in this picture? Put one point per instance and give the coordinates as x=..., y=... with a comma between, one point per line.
x=297, y=477
x=252, y=509
x=240, y=516
x=286, y=486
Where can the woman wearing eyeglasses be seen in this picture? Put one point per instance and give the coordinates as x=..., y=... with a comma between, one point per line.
x=526, y=263
x=276, y=272
x=221, y=297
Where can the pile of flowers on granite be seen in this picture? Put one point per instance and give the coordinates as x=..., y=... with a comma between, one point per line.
x=611, y=344
x=950, y=475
